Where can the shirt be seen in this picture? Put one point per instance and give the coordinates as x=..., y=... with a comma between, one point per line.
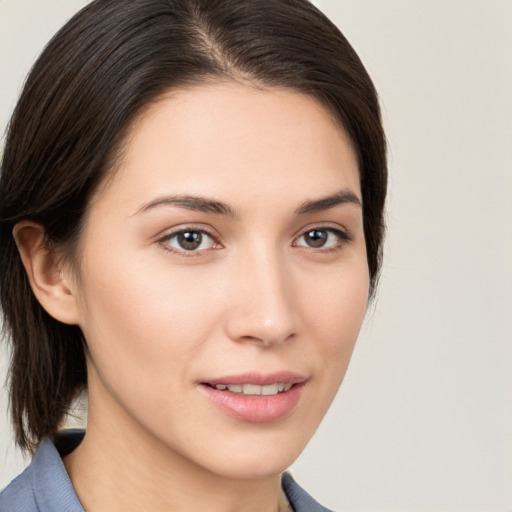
x=44, y=486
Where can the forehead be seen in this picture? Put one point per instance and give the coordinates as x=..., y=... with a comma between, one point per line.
x=219, y=137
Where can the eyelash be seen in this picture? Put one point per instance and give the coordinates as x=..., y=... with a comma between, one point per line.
x=342, y=237
x=165, y=242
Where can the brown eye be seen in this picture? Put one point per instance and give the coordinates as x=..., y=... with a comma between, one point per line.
x=323, y=238
x=316, y=237
x=189, y=240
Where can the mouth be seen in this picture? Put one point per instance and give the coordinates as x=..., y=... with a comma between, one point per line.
x=256, y=398
x=253, y=389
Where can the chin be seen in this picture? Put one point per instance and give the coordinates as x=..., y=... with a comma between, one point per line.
x=255, y=457
x=254, y=468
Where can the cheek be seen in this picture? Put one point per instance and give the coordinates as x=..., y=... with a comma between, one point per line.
x=145, y=315
x=336, y=306
x=335, y=312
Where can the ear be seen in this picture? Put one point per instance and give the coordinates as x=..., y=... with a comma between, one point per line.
x=47, y=278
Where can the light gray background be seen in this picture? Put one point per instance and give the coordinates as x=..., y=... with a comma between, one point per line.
x=423, y=421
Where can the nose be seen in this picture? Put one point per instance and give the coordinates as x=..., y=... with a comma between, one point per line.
x=262, y=302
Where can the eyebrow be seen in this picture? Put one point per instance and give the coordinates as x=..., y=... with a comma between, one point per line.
x=325, y=203
x=196, y=203
x=207, y=205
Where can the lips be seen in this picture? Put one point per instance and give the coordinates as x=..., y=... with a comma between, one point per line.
x=255, y=397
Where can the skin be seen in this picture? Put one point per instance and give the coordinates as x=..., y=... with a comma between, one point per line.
x=255, y=296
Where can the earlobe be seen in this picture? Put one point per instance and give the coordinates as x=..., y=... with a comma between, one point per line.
x=47, y=279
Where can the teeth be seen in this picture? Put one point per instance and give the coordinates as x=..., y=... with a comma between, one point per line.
x=254, y=389
x=251, y=389
x=272, y=389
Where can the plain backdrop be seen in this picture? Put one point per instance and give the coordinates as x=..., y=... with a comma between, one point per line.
x=423, y=421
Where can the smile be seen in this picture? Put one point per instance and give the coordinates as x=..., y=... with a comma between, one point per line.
x=255, y=389
x=255, y=398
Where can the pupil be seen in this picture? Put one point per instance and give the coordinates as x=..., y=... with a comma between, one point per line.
x=316, y=238
x=190, y=240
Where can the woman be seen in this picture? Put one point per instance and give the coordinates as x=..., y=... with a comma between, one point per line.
x=191, y=227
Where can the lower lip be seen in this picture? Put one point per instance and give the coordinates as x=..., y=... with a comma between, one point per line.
x=255, y=408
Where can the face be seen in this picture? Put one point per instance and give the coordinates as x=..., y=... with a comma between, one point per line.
x=223, y=278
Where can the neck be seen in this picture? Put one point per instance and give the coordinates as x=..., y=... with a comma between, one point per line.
x=119, y=467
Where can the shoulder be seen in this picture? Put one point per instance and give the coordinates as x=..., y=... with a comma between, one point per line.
x=18, y=496
x=44, y=486
x=299, y=499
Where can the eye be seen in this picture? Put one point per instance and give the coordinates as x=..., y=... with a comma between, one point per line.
x=322, y=238
x=188, y=240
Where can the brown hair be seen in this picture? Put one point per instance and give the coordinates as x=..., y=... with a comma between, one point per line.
x=99, y=71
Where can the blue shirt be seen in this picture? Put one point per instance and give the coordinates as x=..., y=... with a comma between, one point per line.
x=45, y=486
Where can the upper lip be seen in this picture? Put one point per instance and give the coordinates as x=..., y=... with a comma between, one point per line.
x=258, y=379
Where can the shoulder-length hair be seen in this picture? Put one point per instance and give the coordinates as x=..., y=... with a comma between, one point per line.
x=101, y=69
